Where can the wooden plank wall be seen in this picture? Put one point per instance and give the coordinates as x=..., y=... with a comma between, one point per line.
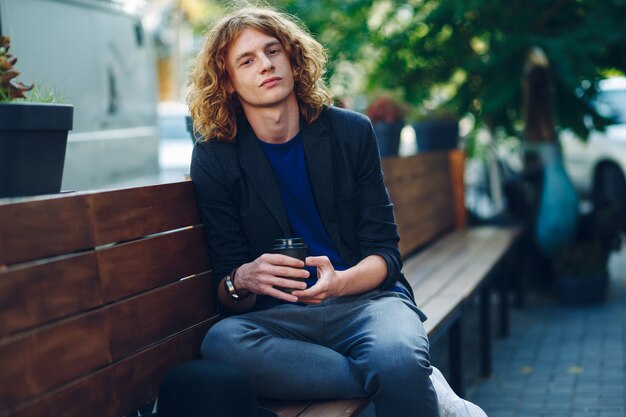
x=420, y=187
x=99, y=290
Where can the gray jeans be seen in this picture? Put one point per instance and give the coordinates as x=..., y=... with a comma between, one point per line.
x=371, y=345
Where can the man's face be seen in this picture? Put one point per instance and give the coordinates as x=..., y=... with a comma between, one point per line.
x=259, y=70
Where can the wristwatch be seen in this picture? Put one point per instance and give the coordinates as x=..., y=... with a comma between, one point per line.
x=230, y=288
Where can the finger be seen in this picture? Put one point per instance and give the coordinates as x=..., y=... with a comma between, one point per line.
x=279, y=259
x=284, y=271
x=318, y=261
x=289, y=283
x=311, y=292
x=281, y=295
x=310, y=301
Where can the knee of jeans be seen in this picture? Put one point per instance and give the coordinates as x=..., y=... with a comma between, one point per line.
x=221, y=340
x=401, y=361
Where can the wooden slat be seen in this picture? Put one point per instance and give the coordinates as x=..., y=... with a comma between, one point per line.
x=474, y=265
x=410, y=215
x=419, y=235
x=58, y=226
x=335, y=408
x=133, y=267
x=87, y=397
x=456, y=160
x=132, y=213
x=446, y=274
x=119, y=388
x=43, y=359
x=431, y=222
x=419, y=164
x=412, y=212
x=36, y=294
x=453, y=269
x=148, y=318
x=419, y=267
x=473, y=276
x=490, y=253
x=285, y=408
x=137, y=379
x=438, y=309
x=421, y=188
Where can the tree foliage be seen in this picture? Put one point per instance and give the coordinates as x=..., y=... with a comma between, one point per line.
x=340, y=25
x=469, y=54
x=478, y=47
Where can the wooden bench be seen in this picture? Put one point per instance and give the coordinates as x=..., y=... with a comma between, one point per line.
x=101, y=292
x=446, y=262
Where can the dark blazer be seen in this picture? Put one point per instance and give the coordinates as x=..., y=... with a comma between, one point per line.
x=243, y=213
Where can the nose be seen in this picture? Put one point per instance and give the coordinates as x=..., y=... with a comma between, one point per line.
x=266, y=64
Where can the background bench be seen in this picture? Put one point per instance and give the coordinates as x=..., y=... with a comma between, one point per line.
x=101, y=292
x=446, y=262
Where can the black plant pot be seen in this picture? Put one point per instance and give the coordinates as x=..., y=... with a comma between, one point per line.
x=436, y=135
x=388, y=137
x=33, y=139
x=573, y=290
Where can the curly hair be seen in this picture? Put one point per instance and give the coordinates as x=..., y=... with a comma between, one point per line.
x=214, y=110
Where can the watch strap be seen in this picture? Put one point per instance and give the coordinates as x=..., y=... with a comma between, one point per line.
x=230, y=287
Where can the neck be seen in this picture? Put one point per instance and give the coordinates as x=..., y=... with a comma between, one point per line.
x=276, y=124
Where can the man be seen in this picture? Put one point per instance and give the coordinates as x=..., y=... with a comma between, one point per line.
x=280, y=161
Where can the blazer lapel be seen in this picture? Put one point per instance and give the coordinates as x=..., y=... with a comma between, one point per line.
x=260, y=176
x=318, y=152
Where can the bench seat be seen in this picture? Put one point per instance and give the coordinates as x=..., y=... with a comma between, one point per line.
x=457, y=264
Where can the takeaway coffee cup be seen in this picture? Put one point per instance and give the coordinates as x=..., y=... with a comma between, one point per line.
x=290, y=246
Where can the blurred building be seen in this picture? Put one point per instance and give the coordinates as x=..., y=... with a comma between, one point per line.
x=97, y=56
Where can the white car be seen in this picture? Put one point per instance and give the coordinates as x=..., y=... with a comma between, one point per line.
x=597, y=166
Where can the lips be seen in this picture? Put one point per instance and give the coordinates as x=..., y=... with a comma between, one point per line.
x=272, y=80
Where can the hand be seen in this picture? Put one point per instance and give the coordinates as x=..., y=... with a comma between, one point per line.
x=328, y=283
x=269, y=272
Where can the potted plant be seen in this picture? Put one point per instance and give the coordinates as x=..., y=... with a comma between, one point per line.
x=33, y=135
x=436, y=130
x=387, y=117
x=581, y=273
x=580, y=269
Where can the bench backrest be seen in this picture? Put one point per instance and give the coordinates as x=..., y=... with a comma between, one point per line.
x=93, y=304
x=427, y=192
x=101, y=292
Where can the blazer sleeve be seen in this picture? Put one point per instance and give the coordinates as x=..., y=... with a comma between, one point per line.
x=376, y=228
x=219, y=211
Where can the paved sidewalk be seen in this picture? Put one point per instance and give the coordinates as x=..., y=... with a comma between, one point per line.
x=560, y=361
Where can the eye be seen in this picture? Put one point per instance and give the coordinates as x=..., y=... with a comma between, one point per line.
x=273, y=51
x=245, y=62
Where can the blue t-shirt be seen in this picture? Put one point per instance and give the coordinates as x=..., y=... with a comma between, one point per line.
x=289, y=166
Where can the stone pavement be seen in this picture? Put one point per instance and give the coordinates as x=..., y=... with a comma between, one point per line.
x=561, y=361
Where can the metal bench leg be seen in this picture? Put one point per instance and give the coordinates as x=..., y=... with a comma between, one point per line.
x=518, y=275
x=519, y=266
x=504, y=306
x=485, y=332
x=456, y=357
